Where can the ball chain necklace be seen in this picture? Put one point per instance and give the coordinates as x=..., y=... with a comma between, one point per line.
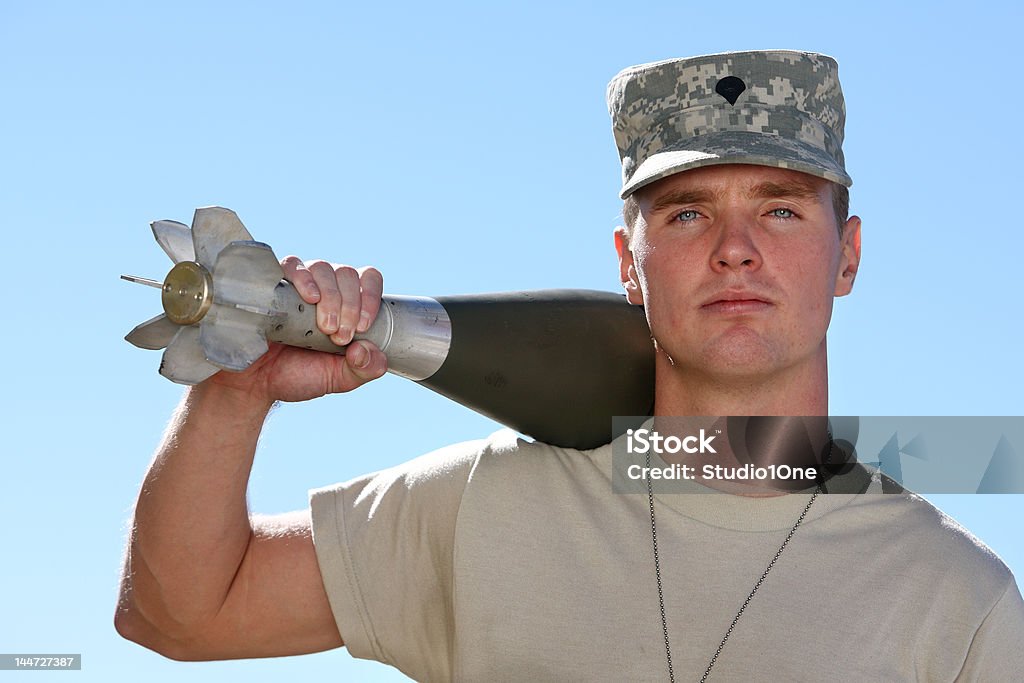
x=757, y=584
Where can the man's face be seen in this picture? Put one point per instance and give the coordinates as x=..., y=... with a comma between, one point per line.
x=737, y=266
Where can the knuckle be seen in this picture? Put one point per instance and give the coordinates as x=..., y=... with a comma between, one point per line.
x=293, y=265
x=371, y=280
x=346, y=272
x=318, y=266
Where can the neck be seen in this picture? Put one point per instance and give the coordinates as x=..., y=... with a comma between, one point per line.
x=800, y=390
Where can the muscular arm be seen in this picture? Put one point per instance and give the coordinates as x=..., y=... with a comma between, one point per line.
x=202, y=580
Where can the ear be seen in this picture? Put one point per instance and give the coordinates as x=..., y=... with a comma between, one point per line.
x=849, y=261
x=627, y=269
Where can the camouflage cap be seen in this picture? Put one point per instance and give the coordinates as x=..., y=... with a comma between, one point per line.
x=770, y=108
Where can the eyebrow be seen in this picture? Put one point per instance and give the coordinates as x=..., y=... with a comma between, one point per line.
x=789, y=188
x=677, y=197
x=765, y=190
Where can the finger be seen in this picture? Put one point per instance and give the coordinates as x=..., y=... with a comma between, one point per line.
x=328, y=309
x=347, y=281
x=296, y=272
x=371, y=283
x=363, y=362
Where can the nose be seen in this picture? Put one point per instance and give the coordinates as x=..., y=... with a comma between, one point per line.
x=734, y=247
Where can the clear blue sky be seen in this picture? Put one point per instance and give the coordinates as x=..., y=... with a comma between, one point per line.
x=460, y=147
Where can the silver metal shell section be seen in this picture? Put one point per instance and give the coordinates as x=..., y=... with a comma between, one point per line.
x=419, y=337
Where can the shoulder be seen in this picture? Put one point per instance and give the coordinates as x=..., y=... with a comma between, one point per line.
x=445, y=467
x=968, y=603
x=451, y=468
x=512, y=459
x=933, y=543
x=949, y=533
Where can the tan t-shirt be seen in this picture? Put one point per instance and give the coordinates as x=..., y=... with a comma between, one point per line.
x=505, y=560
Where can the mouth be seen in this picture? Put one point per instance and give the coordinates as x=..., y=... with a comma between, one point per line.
x=736, y=303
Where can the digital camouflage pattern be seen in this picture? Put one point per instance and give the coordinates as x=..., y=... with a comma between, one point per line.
x=770, y=108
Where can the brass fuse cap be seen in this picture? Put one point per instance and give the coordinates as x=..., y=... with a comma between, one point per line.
x=187, y=293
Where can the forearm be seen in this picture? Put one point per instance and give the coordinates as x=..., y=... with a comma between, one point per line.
x=191, y=524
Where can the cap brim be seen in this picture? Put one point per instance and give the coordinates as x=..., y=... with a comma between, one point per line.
x=736, y=147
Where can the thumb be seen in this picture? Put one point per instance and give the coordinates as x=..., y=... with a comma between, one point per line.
x=363, y=362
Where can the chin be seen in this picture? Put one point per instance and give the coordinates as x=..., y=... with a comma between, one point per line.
x=741, y=349
x=740, y=356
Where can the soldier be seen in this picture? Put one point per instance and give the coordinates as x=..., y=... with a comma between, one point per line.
x=507, y=560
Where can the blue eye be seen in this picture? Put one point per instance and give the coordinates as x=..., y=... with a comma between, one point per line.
x=687, y=215
x=782, y=213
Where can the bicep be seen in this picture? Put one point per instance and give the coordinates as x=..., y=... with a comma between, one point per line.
x=277, y=604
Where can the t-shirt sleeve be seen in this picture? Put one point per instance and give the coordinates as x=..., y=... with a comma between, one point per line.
x=997, y=651
x=384, y=543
